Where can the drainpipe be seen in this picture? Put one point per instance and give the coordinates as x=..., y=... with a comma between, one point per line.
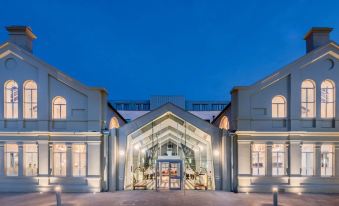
x=104, y=160
x=234, y=162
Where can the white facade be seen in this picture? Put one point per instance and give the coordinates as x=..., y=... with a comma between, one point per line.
x=50, y=124
x=287, y=126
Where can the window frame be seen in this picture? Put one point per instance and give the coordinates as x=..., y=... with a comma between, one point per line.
x=305, y=90
x=307, y=155
x=258, y=155
x=61, y=107
x=32, y=102
x=325, y=105
x=321, y=166
x=276, y=106
x=13, y=102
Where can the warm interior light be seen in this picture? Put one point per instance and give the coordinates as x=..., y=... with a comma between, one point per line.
x=122, y=152
x=216, y=152
x=58, y=189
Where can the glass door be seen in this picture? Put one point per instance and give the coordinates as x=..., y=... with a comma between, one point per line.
x=169, y=174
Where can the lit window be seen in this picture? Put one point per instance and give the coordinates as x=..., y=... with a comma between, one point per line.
x=278, y=107
x=327, y=160
x=12, y=160
x=327, y=99
x=11, y=100
x=30, y=100
x=307, y=160
x=59, y=160
x=79, y=159
x=114, y=123
x=258, y=159
x=308, y=99
x=278, y=159
x=59, y=108
x=224, y=123
x=31, y=159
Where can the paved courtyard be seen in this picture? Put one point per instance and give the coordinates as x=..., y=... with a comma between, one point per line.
x=177, y=198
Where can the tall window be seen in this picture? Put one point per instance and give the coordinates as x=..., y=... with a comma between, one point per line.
x=278, y=159
x=79, y=159
x=11, y=100
x=30, y=159
x=327, y=160
x=224, y=123
x=11, y=161
x=327, y=99
x=308, y=99
x=30, y=100
x=59, y=160
x=59, y=108
x=258, y=159
x=307, y=160
x=278, y=107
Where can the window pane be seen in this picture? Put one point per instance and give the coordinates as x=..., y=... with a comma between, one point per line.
x=307, y=159
x=258, y=159
x=326, y=160
x=79, y=160
x=59, y=160
x=31, y=159
x=12, y=160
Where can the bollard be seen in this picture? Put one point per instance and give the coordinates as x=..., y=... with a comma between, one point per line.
x=58, y=195
x=275, y=196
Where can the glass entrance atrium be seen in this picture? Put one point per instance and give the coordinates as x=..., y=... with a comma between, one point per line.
x=169, y=153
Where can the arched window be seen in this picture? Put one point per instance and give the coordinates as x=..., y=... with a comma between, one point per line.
x=114, y=123
x=308, y=99
x=30, y=100
x=11, y=100
x=279, y=107
x=327, y=99
x=59, y=108
x=224, y=123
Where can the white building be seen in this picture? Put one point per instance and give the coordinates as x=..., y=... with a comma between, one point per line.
x=281, y=131
x=286, y=125
x=50, y=124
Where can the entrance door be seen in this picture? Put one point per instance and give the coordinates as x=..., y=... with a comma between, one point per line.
x=169, y=174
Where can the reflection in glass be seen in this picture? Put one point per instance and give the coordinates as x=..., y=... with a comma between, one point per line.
x=31, y=159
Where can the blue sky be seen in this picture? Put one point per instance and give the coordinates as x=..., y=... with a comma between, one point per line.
x=200, y=49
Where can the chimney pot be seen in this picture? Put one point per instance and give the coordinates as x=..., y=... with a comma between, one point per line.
x=22, y=36
x=317, y=37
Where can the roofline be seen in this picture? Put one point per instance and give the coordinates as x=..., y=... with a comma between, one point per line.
x=221, y=112
x=7, y=43
x=116, y=111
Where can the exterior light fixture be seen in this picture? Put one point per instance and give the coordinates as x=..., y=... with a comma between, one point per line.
x=137, y=146
x=275, y=196
x=58, y=195
x=216, y=152
x=122, y=152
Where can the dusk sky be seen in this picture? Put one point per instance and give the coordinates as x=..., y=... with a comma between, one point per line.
x=199, y=49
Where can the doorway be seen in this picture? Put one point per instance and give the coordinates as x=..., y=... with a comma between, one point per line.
x=169, y=174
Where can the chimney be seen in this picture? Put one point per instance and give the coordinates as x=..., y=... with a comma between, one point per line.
x=22, y=36
x=317, y=37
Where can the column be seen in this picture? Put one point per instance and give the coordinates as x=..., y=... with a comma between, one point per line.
x=93, y=156
x=295, y=158
x=317, y=156
x=336, y=159
x=43, y=149
x=244, y=158
x=269, y=159
x=69, y=168
x=2, y=159
x=43, y=158
x=21, y=159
